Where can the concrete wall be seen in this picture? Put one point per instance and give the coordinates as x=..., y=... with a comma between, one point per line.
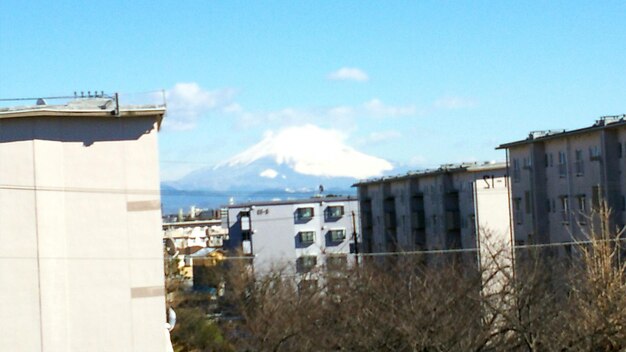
x=547, y=220
x=449, y=208
x=81, y=265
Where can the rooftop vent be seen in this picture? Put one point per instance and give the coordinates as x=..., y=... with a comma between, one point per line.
x=544, y=133
x=41, y=101
x=605, y=120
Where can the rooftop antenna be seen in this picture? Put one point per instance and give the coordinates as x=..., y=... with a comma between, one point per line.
x=116, y=112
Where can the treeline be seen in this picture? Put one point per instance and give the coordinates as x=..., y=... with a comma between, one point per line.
x=575, y=302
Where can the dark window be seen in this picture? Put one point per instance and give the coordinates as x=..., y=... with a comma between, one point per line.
x=562, y=164
x=304, y=214
x=307, y=237
x=594, y=153
x=337, y=235
x=517, y=211
x=596, y=197
x=564, y=208
x=334, y=211
x=528, y=205
x=582, y=209
x=516, y=171
x=336, y=262
x=306, y=263
x=578, y=164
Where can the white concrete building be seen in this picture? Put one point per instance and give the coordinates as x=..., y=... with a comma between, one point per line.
x=447, y=208
x=303, y=234
x=81, y=265
x=558, y=177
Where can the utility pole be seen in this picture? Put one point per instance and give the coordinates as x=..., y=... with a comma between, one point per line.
x=356, y=243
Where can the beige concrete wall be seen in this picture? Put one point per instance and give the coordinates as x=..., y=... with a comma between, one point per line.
x=81, y=266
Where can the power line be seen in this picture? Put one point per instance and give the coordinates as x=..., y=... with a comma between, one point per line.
x=378, y=254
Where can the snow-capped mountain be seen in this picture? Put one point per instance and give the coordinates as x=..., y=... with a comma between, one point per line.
x=291, y=163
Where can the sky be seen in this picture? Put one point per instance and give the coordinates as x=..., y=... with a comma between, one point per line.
x=414, y=83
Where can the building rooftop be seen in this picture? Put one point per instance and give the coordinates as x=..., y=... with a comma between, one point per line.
x=445, y=168
x=90, y=106
x=538, y=136
x=295, y=201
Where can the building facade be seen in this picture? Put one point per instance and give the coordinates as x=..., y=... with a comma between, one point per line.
x=82, y=264
x=441, y=209
x=296, y=234
x=559, y=177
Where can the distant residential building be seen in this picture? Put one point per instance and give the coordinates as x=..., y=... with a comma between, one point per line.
x=559, y=177
x=303, y=234
x=82, y=262
x=192, y=242
x=446, y=208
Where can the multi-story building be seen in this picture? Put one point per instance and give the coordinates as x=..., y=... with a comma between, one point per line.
x=559, y=177
x=81, y=266
x=304, y=234
x=446, y=208
x=190, y=242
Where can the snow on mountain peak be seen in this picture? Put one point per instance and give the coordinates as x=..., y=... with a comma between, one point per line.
x=311, y=150
x=269, y=173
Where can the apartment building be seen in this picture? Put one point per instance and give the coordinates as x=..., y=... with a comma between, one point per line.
x=558, y=177
x=446, y=208
x=302, y=234
x=81, y=266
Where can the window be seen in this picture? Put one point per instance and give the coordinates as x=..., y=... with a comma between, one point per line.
x=528, y=163
x=564, y=209
x=578, y=165
x=582, y=209
x=528, y=205
x=517, y=211
x=307, y=237
x=596, y=197
x=303, y=214
x=336, y=262
x=516, y=170
x=562, y=164
x=471, y=220
x=620, y=151
x=334, y=211
x=337, y=235
x=306, y=263
x=244, y=220
x=594, y=153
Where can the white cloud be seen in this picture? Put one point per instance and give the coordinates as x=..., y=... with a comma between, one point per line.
x=418, y=160
x=187, y=102
x=381, y=136
x=341, y=111
x=269, y=173
x=377, y=108
x=452, y=103
x=311, y=150
x=348, y=74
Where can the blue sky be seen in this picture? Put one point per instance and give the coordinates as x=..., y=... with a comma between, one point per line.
x=423, y=83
